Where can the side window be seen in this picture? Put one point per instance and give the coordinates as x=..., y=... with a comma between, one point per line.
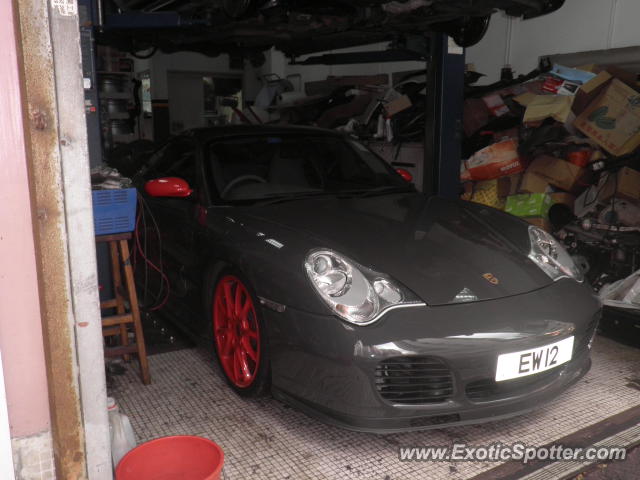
x=177, y=159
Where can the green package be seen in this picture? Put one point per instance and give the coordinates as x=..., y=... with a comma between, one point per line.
x=528, y=205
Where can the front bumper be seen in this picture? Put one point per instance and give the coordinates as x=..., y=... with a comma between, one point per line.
x=327, y=367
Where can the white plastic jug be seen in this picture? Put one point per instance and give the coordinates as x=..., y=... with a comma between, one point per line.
x=122, y=437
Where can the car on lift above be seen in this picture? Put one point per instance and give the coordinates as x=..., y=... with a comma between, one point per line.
x=296, y=27
x=316, y=271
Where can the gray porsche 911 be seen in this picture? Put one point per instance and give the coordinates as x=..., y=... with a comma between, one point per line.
x=327, y=279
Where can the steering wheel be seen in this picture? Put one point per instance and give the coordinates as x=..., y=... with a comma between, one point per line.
x=242, y=178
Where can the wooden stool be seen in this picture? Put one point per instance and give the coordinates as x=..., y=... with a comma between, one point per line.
x=117, y=324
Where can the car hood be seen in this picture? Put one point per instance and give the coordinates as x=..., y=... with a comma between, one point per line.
x=443, y=250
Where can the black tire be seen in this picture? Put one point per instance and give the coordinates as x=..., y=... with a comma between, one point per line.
x=261, y=378
x=467, y=31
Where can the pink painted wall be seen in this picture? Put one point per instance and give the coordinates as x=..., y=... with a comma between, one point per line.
x=20, y=328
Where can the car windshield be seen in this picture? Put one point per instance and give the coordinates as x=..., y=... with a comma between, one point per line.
x=253, y=168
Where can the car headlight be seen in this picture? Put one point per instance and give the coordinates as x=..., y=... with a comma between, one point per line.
x=355, y=293
x=551, y=256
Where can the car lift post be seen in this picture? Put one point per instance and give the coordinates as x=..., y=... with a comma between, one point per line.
x=443, y=119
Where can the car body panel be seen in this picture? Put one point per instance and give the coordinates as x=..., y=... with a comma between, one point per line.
x=436, y=247
x=432, y=246
x=328, y=365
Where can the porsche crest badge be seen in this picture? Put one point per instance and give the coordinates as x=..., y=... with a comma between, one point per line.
x=491, y=278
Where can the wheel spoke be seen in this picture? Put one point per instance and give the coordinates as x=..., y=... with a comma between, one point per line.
x=220, y=311
x=249, y=350
x=246, y=308
x=234, y=371
x=237, y=369
x=243, y=364
x=227, y=346
x=237, y=300
x=227, y=299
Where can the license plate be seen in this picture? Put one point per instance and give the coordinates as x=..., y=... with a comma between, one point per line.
x=535, y=360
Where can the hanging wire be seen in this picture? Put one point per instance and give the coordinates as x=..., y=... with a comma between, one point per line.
x=141, y=247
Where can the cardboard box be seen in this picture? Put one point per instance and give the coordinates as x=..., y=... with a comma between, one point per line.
x=397, y=105
x=590, y=67
x=625, y=184
x=594, y=87
x=528, y=205
x=560, y=173
x=612, y=120
x=534, y=183
x=541, y=107
x=589, y=91
x=564, y=198
x=564, y=109
x=540, y=222
x=509, y=185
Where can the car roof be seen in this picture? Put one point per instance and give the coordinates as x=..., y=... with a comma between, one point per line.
x=209, y=133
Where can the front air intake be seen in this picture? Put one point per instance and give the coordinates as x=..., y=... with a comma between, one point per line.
x=414, y=380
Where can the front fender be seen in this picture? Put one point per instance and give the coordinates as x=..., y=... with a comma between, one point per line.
x=272, y=258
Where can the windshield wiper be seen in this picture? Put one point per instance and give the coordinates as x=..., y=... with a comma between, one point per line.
x=290, y=197
x=370, y=192
x=359, y=193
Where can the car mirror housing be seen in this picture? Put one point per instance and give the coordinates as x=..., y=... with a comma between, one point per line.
x=168, y=187
x=406, y=176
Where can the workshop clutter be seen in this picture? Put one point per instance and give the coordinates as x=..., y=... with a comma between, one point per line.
x=370, y=107
x=557, y=173
x=612, y=120
x=494, y=161
x=528, y=205
x=560, y=149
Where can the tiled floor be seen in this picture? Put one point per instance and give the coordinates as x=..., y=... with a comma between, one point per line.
x=265, y=439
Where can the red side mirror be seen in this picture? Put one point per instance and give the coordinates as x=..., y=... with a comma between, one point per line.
x=405, y=174
x=168, y=187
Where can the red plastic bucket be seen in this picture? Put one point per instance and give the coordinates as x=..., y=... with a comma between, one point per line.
x=172, y=458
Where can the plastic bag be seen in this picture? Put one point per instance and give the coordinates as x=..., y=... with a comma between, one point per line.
x=626, y=290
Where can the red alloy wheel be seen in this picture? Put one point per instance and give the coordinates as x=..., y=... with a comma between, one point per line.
x=236, y=331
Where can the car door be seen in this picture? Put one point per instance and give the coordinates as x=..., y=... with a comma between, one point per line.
x=171, y=221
